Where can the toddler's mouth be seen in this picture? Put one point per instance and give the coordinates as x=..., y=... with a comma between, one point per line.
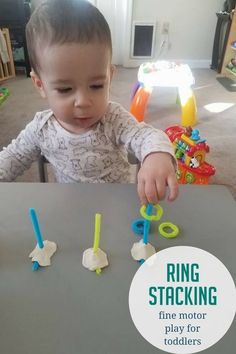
x=83, y=118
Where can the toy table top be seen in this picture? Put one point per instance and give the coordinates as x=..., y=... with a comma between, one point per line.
x=165, y=74
x=68, y=309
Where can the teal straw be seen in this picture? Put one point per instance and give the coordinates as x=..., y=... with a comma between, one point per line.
x=35, y=224
x=38, y=235
x=147, y=224
x=35, y=266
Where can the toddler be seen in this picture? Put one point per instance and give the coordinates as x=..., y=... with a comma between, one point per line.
x=83, y=135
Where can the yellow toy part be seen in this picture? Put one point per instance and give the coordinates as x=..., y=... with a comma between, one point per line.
x=188, y=106
x=163, y=227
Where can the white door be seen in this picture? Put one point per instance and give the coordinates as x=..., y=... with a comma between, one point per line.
x=116, y=14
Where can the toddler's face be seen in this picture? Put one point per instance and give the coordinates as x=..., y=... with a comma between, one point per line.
x=75, y=78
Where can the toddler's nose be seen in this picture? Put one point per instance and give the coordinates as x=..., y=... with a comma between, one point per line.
x=82, y=100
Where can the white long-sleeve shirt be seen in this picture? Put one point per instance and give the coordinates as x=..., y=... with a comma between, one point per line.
x=99, y=155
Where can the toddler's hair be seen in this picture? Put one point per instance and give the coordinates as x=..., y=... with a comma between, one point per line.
x=64, y=21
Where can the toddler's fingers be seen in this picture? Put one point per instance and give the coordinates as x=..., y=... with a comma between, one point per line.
x=173, y=187
x=151, y=192
x=141, y=192
x=161, y=189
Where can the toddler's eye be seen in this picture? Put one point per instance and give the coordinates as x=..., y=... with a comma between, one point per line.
x=64, y=89
x=96, y=87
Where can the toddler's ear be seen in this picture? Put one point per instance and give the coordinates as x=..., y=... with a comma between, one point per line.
x=112, y=70
x=38, y=84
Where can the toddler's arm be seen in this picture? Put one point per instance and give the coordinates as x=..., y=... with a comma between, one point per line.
x=153, y=148
x=19, y=154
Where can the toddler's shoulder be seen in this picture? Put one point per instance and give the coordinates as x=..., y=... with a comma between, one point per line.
x=116, y=110
x=41, y=118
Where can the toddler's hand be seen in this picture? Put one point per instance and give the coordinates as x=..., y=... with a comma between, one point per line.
x=157, y=172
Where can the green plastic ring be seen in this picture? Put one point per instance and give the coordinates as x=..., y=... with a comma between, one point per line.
x=156, y=216
x=173, y=227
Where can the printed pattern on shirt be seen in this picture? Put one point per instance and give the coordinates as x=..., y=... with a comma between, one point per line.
x=99, y=155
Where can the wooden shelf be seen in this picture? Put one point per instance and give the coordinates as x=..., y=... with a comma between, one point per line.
x=230, y=52
x=7, y=70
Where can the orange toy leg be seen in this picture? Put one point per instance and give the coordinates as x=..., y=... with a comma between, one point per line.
x=139, y=102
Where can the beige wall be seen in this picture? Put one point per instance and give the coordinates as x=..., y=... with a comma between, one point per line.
x=191, y=31
x=192, y=26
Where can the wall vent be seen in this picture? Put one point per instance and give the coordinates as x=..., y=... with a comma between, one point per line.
x=143, y=39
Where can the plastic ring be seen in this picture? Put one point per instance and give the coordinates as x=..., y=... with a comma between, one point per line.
x=138, y=226
x=173, y=227
x=156, y=216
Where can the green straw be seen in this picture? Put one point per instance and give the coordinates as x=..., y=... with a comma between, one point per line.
x=97, y=229
x=96, y=241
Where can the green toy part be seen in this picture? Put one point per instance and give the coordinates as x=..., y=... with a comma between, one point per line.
x=4, y=93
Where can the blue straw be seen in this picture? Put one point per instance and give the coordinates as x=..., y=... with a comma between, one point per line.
x=147, y=224
x=38, y=235
x=149, y=209
x=35, y=266
x=37, y=232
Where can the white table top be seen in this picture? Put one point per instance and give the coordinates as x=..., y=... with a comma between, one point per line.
x=165, y=74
